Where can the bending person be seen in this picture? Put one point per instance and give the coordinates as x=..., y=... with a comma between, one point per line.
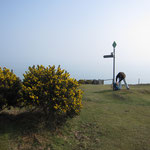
x=121, y=76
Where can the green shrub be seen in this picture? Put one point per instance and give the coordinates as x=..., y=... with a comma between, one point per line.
x=51, y=90
x=81, y=81
x=88, y=81
x=10, y=88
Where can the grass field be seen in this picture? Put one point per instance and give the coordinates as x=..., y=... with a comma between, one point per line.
x=109, y=120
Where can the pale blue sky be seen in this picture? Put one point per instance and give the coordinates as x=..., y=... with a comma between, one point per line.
x=76, y=34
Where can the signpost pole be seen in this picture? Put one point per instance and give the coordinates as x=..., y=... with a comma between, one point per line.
x=114, y=45
x=113, y=68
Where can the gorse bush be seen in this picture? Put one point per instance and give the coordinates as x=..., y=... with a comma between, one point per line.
x=10, y=89
x=51, y=90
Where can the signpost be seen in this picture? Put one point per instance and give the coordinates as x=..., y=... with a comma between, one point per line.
x=112, y=55
x=108, y=56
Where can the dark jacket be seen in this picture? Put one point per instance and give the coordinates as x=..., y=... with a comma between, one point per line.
x=121, y=76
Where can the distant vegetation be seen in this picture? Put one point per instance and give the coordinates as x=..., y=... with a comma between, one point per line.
x=81, y=81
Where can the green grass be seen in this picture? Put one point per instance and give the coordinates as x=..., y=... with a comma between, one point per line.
x=109, y=120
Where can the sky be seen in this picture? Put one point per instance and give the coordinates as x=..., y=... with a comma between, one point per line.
x=76, y=34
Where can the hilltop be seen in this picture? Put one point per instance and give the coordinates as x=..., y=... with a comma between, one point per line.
x=109, y=120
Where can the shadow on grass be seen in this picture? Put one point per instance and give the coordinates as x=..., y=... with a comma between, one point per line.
x=27, y=123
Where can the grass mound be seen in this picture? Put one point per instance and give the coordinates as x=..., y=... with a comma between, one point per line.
x=111, y=120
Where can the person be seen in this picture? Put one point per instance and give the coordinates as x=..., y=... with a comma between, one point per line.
x=121, y=76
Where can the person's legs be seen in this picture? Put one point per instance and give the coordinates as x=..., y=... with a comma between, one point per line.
x=127, y=87
x=120, y=86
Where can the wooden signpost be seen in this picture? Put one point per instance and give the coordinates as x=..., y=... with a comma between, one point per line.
x=112, y=55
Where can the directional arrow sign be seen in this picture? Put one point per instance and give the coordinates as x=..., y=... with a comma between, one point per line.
x=108, y=56
x=114, y=44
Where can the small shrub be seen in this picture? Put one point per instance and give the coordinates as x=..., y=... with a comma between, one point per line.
x=81, y=81
x=51, y=90
x=10, y=89
x=88, y=81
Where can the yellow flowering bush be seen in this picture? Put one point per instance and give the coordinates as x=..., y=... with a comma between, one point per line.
x=51, y=90
x=10, y=88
